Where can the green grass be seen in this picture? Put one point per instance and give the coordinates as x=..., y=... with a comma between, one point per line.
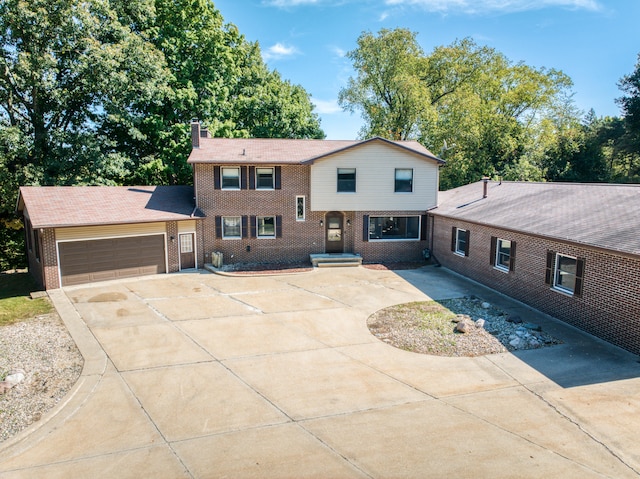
x=15, y=302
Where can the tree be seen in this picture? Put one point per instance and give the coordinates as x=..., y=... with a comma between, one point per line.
x=469, y=103
x=217, y=77
x=66, y=67
x=387, y=90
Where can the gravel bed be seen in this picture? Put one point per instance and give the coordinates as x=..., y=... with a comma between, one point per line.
x=429, y=328
x=44, y=350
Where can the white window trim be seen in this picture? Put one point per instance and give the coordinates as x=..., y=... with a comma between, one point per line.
x=457, y=251
x=224, y=237
x=560, y=288
x=395, y=171
x=304, y=208
x=275, y=227
x=355, y=189
x=222, y=187
x=405, y=240
x=496, y=263
x=273, y=178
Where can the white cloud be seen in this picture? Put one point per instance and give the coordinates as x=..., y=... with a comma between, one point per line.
x=339, y=52
x=486, y=6
x=383, y=16
x=326, y=106
x=279, y=51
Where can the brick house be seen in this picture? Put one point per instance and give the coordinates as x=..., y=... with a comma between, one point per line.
x=280, y=200
x=253, y=200
x=569, y=250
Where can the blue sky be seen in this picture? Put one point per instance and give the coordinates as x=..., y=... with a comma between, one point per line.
x=595, y=42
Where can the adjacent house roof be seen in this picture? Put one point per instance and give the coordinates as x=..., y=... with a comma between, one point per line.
x=285, y=151
x=597, y=214
x=58, y=206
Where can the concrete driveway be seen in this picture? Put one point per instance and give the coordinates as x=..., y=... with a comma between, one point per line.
x=201, y=375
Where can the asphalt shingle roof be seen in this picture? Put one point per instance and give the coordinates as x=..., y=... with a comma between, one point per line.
x=595, y=214
x=58, y=206
x=284, y=151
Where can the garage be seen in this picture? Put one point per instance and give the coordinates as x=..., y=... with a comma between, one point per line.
x=113, y=258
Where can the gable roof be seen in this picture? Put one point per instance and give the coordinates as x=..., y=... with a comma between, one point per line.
x=58, y=206
x=286, y=151
x=595, y=214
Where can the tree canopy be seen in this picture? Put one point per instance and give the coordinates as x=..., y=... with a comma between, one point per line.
x=102, y=92
x=468, y=103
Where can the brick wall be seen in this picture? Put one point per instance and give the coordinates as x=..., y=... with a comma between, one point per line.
x=172, y=247
x=299, y=238
x=610, y=303
x=49, y=258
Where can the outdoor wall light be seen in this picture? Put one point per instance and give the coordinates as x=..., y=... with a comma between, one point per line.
x=172, y=238
x=248, y=248
x=321, y=223
x=348, y=222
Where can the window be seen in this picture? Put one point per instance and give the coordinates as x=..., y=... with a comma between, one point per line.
x=346, y=180
x=565, y=273
x=503, y=254
x=232, y=227
x=404, y=180
x=266, y=226
x=394, y=228
x=300, y=208
x=230, y=178
x=264, y=179
x=460, y=241
x=186, y=243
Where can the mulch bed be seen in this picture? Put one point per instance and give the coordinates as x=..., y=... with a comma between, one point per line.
x=288, y=268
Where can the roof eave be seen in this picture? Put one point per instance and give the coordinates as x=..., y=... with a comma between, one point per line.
x=363, y=142
x=538, y=235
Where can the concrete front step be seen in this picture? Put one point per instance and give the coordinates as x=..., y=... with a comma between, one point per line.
x=326, y=260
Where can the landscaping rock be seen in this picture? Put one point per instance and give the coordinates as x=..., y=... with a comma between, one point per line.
x=463, y=326
x=15, y=377
x=480, y=323
x=486, y=305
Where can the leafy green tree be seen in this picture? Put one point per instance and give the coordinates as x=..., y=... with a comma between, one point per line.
x=217, y=77
x=469, y=103
x=387, y=90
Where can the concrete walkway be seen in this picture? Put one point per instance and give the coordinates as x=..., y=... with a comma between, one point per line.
x=200, y=375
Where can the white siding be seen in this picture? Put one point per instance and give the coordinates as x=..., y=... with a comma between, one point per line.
x=109, y=231
x=188, y=226
x=375, y=165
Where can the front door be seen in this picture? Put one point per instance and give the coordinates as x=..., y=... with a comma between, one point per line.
x=187, y=251
x=334, y=232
